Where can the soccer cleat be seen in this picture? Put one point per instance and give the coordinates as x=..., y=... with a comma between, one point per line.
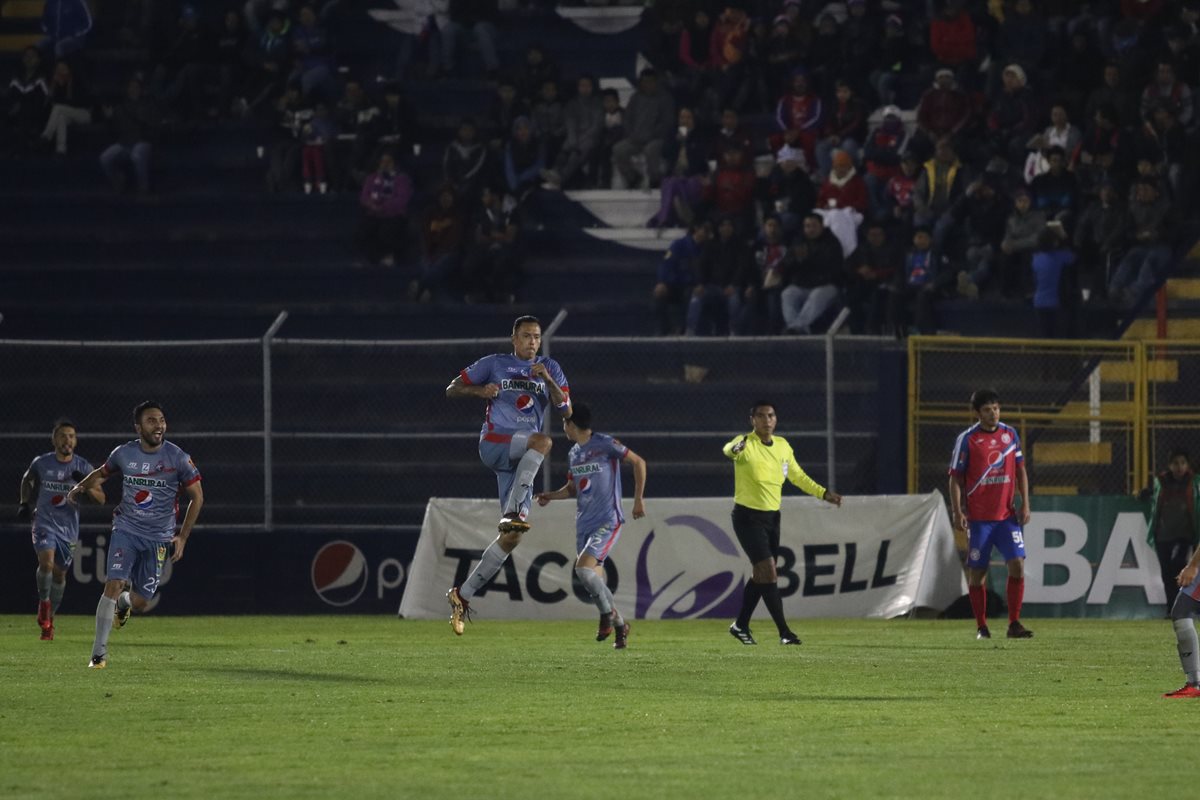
x=1018, y=631
x=622, y=637
x=512, y=523
x=121, y=617
x=983, y=633
x=789, y=638
x=741, y=634
x=48, y=633
x=98, y=662
x=606, y=627
x=1187, y=690
x=45, y=615
x=460, y=610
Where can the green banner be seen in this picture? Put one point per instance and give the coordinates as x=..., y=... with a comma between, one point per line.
x=1088, y=557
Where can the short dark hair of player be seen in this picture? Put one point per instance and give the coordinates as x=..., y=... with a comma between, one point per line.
x=581, y=416
x=142, y=408
x=1176, y=452
x=757, y=404
x=59, y=424
x=984, y=396
x=519, y=321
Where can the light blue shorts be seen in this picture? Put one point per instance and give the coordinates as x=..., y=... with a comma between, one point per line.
x=502, y=458
x=137, y=560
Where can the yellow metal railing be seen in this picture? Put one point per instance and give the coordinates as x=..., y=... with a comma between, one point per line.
x=1093, y=416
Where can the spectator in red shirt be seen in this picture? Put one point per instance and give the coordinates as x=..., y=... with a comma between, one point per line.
x=800, y=110
x=952, y=36
x=731, y=189
x=944, y=110
x=844, y=188
x=845, y=128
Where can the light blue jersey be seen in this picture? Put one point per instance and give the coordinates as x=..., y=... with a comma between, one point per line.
x=595, y=469
x=150, y=487
x=523, y=399
x=53, y=514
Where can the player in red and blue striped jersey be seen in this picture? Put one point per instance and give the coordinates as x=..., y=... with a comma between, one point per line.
x=987, y=471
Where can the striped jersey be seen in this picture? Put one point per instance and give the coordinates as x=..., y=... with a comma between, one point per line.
x=987, y=462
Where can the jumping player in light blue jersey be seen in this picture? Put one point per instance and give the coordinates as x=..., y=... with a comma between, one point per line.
x=594, y=480
x=153, y=474
x=44, y=490
x=518, y=387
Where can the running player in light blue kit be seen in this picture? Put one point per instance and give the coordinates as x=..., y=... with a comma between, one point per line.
x=47, y=483
x=594, y=480
x=153, y=474
x=518, y=387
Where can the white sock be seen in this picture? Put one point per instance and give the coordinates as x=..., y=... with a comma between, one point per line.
x=491, y=562
x=597, y=588
x=521, y=491
x=56, y=595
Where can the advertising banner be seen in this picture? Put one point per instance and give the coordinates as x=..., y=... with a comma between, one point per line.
x=873, y=557
x=1088, y=557
x=297, y=572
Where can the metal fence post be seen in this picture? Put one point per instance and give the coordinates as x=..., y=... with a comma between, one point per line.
x=268, y=465
x=830, y=447
x=547, y=337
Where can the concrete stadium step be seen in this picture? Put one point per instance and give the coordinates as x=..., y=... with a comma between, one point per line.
x=643, y=238
x=618, y=208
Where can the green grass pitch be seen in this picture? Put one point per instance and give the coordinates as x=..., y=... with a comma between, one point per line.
x=320, y=707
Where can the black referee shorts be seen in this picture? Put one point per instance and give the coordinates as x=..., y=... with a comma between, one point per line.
x=757, y=532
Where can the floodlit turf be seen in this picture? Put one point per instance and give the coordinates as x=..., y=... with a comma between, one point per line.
x=377, y=707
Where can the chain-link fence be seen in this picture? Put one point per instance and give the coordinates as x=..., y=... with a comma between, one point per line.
x=1173, y=400
x=1079, y=407
x=291, y=432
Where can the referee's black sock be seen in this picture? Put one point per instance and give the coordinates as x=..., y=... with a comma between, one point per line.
x=750, y=596
x=774, y=604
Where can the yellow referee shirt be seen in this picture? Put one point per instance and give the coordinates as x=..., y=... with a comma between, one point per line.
x=760, y=470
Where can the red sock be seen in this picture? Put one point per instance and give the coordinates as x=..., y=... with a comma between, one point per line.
x=979, y=605
x=1016, y=593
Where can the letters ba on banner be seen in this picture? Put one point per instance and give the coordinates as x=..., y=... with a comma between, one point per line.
x=1088, y=557
x=873, y=557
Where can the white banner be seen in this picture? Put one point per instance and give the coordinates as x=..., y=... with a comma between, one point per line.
x=873, y=557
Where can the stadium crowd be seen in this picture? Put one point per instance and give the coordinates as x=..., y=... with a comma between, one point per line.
x=873, y=154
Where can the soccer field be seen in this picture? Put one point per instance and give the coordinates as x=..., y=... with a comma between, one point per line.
x=221, y=707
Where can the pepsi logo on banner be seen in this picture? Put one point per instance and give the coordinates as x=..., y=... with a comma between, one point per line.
x=143, y=499
x=339, y=573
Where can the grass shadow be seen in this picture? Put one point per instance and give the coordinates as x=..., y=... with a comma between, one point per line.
x=264, y=673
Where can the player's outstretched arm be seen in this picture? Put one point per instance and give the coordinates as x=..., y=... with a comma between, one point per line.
x=639, y=482
x=564, y=492
x=88, y=487
x=459, y=388
x=195, y=500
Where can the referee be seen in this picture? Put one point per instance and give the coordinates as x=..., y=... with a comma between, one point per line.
x=761, y=463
